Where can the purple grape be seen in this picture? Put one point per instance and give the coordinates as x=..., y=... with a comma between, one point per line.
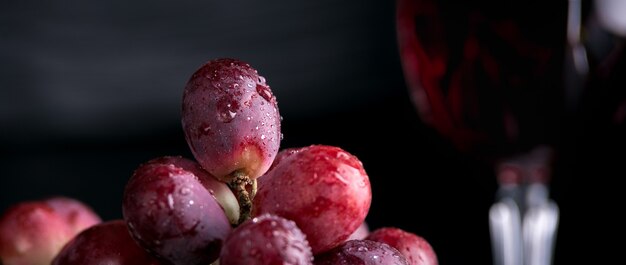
x=105, y=243
x=171, y=214
x=218, y=189
x=230, y=119
x=266, y=240
x=232, y=125
x=362, y=252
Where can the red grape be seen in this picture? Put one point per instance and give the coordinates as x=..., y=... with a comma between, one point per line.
x=75, y=213
x=415, y=248
x=170, y=213
x=106, y=243
x=362, y=252
x=32, y=233
x=230, y=119
x=324, y=189
x=266, y=240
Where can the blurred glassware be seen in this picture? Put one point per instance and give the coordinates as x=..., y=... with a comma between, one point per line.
x=489, y=78
x=505, y=82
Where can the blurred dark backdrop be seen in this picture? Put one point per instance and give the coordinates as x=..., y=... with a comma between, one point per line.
x=89, y=90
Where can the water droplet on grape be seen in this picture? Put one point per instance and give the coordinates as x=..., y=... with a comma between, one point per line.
x=361, y=183
x=341, y=178
x=262, y=136
x=170, y=201
x=184, y=191
x=262, y=79
x=227, y=109
x=342, y=155
x=264, y=92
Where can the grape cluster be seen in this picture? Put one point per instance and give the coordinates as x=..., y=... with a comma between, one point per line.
x=240, y=201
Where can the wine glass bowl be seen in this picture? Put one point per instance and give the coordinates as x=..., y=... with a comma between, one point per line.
x=488, y=77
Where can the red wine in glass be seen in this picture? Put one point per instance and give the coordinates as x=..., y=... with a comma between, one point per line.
x=488, y=77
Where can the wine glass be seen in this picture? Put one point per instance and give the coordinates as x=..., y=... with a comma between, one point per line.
x=488, y=77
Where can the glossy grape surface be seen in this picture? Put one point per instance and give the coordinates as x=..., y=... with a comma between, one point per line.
x=171, y=214
x=106, y=243
x=324, y=189
x=266, y=240
x=362, y=252
x=230, y=118
x=415, y=248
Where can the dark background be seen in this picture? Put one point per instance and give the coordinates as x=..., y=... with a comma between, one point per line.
x=88, y=91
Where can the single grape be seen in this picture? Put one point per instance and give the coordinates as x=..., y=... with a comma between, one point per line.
x=415, y=248
x=218, y=189
x=232, y=125
x=32, y=233
x=171, y=214
x=324, y=189
x=231, y=119
x=106, y=243
x=266, y=240
x=362, y=252
x=76, y=214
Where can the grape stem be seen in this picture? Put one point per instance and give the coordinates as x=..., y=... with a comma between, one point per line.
x=245, y=190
